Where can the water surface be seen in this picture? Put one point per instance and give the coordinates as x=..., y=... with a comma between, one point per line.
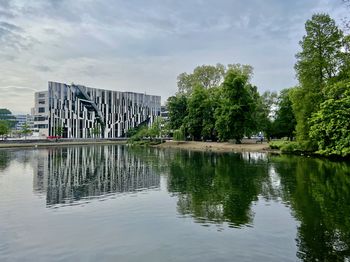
x=114, y=203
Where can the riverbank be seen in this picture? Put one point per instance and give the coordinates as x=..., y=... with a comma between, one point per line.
x=48, y=143
x=248, y=145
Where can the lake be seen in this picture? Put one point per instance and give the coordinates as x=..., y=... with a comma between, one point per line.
x=118, y=203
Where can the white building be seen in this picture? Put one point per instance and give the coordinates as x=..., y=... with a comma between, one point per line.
x=41, y=113
x=79, y=111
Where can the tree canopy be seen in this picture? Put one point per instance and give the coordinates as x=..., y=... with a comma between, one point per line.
x=318, y=63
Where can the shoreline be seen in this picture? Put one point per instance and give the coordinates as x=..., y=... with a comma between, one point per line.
x=45, y=143
x=246, y=146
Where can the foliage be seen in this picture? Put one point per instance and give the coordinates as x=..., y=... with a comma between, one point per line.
x=236, y=107
x=317, y=63
x=200, y=119
x=4, y=128
x=177, y=108
x=263, y=115
x=148, y=133
x=277, y=144
x=206, y=76
x=26, y=130
x=139, y=135
x=6, y=114
x=199, y=108
x=156, y=129
x=179, y=135
x=330, y=125
x=292, y=146
x=284, y=124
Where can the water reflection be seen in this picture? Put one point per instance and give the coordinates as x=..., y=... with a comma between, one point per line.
x=5, y=158
x=9, y=155
x=71, y=173
x=319, y=193
x=209, y=188
x=219, y=187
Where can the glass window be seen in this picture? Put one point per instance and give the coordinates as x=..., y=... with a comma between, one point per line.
x=41, y=110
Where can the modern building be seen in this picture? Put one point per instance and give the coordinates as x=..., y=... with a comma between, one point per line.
x=41, y=114
x=77, y=111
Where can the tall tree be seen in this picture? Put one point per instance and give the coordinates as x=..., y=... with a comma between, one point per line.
x=264, y=112
x=236, y=107
x=177, y=108
x=207, y=76
x=317, y=63
x=200, y=119
x=284, y=124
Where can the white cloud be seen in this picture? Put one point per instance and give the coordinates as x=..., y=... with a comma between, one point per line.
x=142, y=46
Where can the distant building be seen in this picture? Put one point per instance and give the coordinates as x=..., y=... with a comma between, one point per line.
x=40, y=114
x=164, y=113
x=21, y=120
x=84, y=112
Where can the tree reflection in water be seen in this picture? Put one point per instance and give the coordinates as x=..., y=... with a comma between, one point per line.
x=210, y=187
x=319, y=193
x=218, y=187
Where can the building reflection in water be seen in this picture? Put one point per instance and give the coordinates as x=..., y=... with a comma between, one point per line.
x=68, y=174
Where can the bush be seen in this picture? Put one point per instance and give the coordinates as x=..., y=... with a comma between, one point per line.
x=277, y=144
x=293, y=147
x=179, y=135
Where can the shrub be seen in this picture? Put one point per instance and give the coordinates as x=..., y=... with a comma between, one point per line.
x=179, y=135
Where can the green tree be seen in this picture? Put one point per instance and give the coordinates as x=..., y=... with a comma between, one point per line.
x=330, y=125
x=26, y=130
x=177, y=108
x=261, y=109
x=284, y=124
x=236, y=107
x=156, y=129
x=317, y=63
x=265, y=112
x=4, y=128
x=6, y=114
x=197, y=122
x=207, y=76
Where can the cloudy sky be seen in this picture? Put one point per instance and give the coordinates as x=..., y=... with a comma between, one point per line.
x=142, y=46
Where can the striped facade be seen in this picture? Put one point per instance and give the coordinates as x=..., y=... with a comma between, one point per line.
x=84, y=112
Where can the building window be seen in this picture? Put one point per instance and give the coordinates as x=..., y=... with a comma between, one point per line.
x=41, y=110
x=41, y=95
x=40, y=118
x=42, y=102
